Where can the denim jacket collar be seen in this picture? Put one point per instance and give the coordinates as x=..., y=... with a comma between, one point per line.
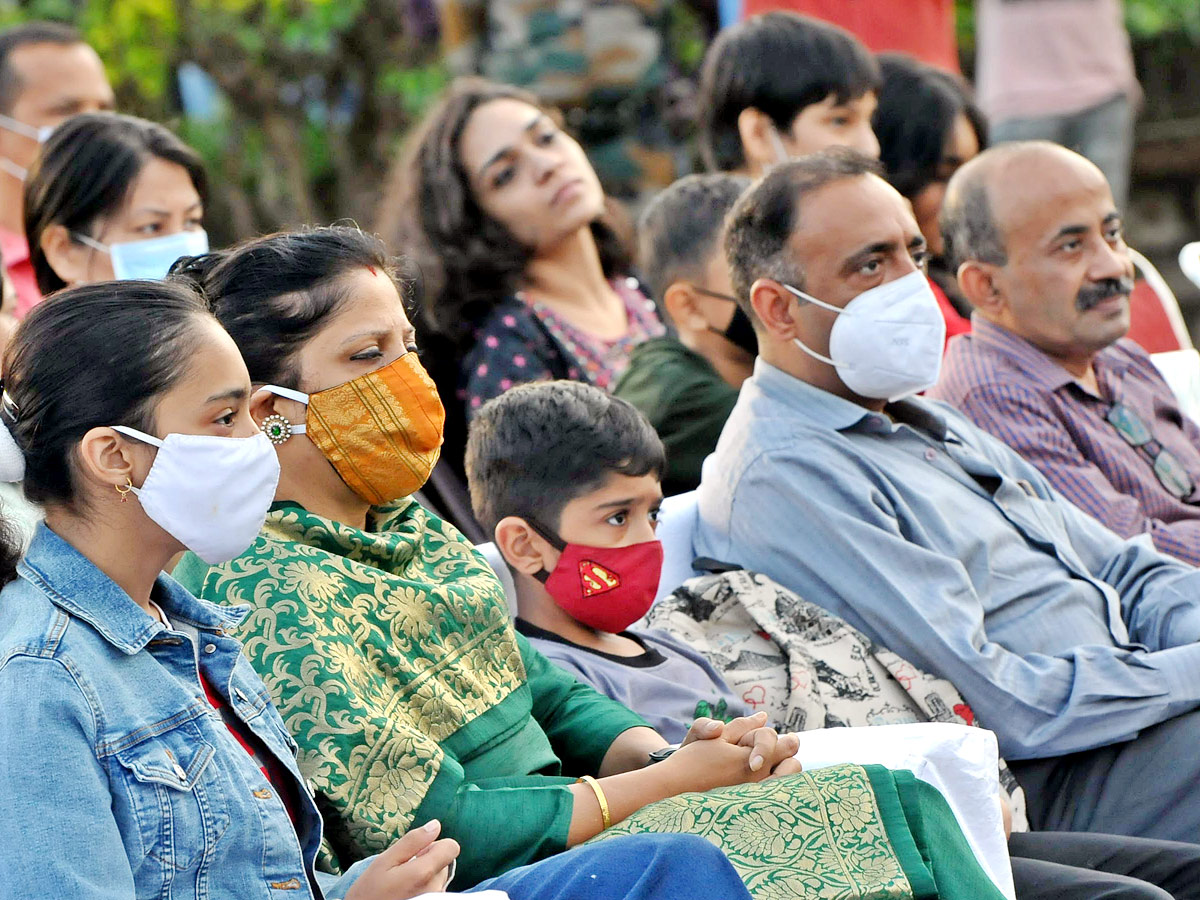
x=73, y=583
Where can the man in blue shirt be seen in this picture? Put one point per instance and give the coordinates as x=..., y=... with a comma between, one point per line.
x=1079, y=649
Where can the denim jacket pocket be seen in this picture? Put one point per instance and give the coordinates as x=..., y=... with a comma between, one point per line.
x=175, y=788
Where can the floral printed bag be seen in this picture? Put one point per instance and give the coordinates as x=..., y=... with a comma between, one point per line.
x=804, y=666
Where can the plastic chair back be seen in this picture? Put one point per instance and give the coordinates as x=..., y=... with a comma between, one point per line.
x=1155, y=320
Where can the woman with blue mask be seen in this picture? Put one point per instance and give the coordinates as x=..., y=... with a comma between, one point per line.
x=112, y=196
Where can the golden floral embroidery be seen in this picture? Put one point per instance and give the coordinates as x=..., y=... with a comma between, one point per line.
x=376, y=646
x=817, y=835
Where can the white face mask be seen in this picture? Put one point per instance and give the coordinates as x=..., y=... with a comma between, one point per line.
x=151, y=258
x=16, y=126
x=210, y=493
x=887, y=343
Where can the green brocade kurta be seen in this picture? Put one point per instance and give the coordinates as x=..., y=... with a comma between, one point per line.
x=392, y=658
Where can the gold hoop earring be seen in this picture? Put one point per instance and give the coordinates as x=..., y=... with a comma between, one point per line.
x=124, y=489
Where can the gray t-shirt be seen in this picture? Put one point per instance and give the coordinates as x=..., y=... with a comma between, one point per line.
x=669, y=685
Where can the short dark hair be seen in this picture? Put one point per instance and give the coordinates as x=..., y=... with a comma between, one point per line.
x=86, y=170
x=95, y=355
x=778, y=63
x=537, y=447
x=681, y=228
x=273, y=293
x=763, y=219
x=918, y=105
x=25, y=35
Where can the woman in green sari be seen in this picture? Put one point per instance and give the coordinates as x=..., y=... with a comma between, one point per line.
x=386, y=642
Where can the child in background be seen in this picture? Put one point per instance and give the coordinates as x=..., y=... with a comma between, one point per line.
x=567, y=479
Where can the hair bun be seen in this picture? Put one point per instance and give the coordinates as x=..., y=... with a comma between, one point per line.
x=12, y=460
x=193, y=271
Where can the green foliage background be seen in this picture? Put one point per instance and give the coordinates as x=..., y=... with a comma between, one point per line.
x=318, y=94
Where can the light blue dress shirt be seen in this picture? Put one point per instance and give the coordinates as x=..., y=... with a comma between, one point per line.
x=942, y=544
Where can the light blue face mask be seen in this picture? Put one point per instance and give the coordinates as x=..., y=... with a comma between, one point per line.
x=150, y=258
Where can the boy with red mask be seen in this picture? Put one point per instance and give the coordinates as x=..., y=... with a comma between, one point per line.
x=567, y=479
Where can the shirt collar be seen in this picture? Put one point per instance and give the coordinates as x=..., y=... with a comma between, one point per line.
x=13, y=247
x=1038, y=365
x=821, y=409
x=72, y=582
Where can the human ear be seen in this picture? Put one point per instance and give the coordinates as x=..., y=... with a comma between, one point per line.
x=523, y=549
x=977, y=281
x=774, y=305
x=66, y=256
x=107, y=460
x=756, y=129
x=683, y=307
x=264, y=403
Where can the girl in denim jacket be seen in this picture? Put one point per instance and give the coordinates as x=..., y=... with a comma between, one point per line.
x=140, y=755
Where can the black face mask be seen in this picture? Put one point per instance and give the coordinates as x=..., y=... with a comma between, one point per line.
x=739, y=331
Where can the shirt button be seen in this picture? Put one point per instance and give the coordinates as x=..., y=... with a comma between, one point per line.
x=930, y=454
x=210, y=648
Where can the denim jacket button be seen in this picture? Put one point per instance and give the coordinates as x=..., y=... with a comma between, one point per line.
x=262, y=794
x=210, y=648
x=179, y=773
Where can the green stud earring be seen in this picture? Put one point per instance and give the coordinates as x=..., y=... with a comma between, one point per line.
x=277, y=429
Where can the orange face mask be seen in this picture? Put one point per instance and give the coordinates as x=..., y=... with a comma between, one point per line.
x=381, y=432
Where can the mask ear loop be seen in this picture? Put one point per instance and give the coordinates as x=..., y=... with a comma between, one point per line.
x=554, y=540
x=277, y=428
x=799, y=343
x=781, y=154
x=150, y=439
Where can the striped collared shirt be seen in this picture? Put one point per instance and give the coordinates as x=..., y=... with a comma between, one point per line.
x=1022, y=396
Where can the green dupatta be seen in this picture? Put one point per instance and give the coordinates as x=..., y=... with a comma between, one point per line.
x=377, y=646
x=839, y=833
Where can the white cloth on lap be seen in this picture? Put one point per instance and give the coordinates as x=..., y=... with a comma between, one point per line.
x=959, y=760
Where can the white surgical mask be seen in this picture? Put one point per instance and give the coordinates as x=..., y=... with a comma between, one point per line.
x=16, y=126
x=887, y=342
x=210, y=493
x=151, y=258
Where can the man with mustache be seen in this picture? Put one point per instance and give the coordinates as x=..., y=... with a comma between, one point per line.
x=1079, y=648
x=1041, y=256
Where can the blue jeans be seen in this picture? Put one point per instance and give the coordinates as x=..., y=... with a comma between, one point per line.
x=638, y=867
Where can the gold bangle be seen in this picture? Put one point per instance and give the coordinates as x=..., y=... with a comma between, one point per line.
x=600, y=798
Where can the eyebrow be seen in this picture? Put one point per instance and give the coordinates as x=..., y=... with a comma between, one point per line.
x=154, y=210
x=507, y=149
x=377, y=333
x=625, y=501
x=862, y=255
x=235, y=394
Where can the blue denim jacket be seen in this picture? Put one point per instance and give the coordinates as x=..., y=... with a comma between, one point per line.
x=117, y=777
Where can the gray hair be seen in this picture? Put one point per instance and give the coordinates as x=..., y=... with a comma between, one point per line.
x=969, y=229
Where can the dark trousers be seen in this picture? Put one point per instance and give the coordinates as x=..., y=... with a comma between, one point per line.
x=1050, y=865
x=1147, y=787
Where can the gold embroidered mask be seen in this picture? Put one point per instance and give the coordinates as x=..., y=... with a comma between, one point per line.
x=381, y=432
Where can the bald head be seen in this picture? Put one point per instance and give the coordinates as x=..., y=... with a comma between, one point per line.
x=999, y=189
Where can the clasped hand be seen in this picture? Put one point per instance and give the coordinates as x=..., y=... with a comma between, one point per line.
x=715, y=754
